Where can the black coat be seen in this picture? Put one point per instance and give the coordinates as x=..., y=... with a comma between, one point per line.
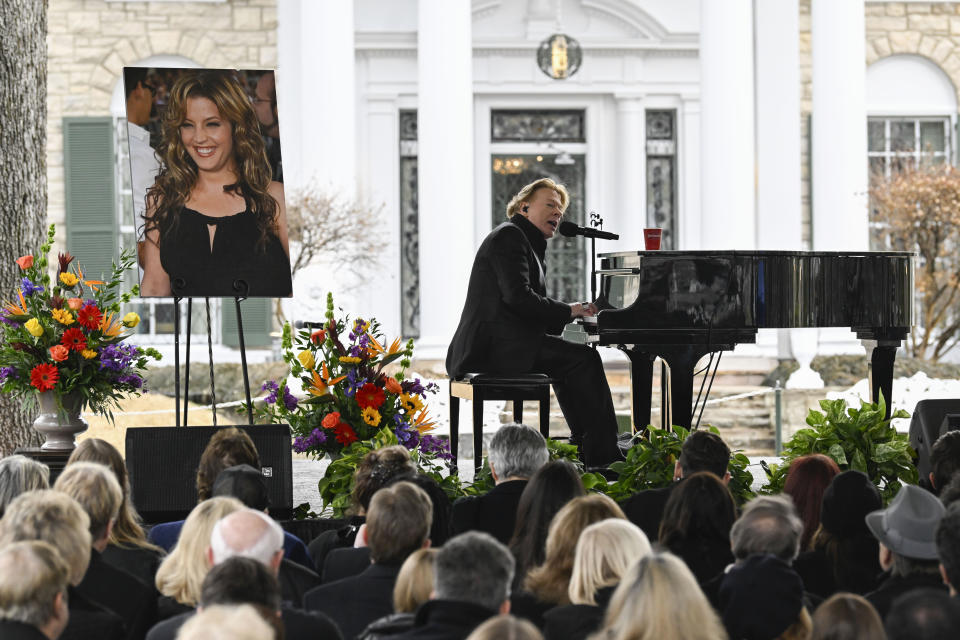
x=495, y=512
x=577, y=621
x=447, y=620
x=90, y=620
x=121, y=593
x=645, y=509
x=507, y=311
x=345, y=563
x=295, y=580
x=297, y=625
x=860, y=575
x=140, y=562
x=894, y=586
x=353, y=603
x=10, y=630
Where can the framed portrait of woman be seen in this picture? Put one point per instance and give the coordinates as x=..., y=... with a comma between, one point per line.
x=207, y=182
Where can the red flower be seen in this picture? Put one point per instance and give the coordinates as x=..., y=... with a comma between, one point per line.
x=44, y=376
x=345, y=435
x=25, y=262
x=74, y=339
x=331, y=420
x=318, y=336
x=393, y=386
x=89, y=317
x=59, y=352
x=370, y=395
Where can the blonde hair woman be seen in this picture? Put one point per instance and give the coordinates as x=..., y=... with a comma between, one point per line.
x=413, y=588
x=227, y=622
x=19, y=474
x=506, y=627
x=181, y=574
x=605, y=552
x=659, y=599
x=550, y=582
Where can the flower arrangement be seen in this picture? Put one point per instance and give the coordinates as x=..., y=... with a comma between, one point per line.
x=350, y=396
x=64, y=334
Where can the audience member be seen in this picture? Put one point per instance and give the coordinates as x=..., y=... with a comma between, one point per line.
x=33, y=591
x=181, y=573
x=472, y=579
x=944, y=460
x=265, y=106
x=398, y=523
x=923, y=614
x=516, y=452
x=413, y=588
x=701, y=451
x=761, y=598
x=550, y=488
x=950, y=493
x=228, y=447
x=847, y=616
x=948, y=547
x=56, y=518
x=247, y=485
x=807, y=479
x=442, y=507
x=373, y=472
x=506, y=627
x=549, y=583
x=906, y=531
x=18, y=474
x=696, y=524
x=658, y=599
x=844, y=554
x=128, y=548
x=96, y=489
x=242, y=622
x=604, y=553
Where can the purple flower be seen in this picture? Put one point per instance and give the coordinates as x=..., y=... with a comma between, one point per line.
x=289, y=400
x=29, y=288
x=437, y=446
x=353, y=383
x=117, y=357
x=316, y=438
x=132, y=379
x=7, y=372
x=5, y=319
x=269, y=385
x=354, y=351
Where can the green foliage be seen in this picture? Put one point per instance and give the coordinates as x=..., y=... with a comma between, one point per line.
x=650, y=464
x=859, y=439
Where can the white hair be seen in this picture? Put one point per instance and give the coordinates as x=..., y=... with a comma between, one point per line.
x=262, y=549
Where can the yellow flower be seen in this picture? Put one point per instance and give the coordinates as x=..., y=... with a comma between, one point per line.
x=349, y=359
x=62, y=316
x=131, y=320
x=307, y=360
x=371, y=416
x=69, y=279
x=88, y=354
x=411, y=403
x=33, y=326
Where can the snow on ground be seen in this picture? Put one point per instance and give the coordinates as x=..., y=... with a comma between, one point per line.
x=907, y=392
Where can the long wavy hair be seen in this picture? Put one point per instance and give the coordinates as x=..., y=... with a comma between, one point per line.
x=178, y=173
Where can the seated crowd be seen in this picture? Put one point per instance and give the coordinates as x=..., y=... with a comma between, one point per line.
x=536, y=557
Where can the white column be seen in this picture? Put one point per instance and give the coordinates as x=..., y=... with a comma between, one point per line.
x=727, y=148
x=778, y=124
x=631, y=172
x=327, y=88
x=689, y=214
x=839, y=126
x=445, y=167
x=289, y=72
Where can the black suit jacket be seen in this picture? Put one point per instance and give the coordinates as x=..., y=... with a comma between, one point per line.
x=140, y=562
x=89, y=620
x=355, y=602
x=295, y=580
x=494, y=512
x=345, y=563
x=10, y=630
x=447, y=620
x=507, y=311
x=645, y=509
x=297, y=625
x=121, y=593
x=894, y=586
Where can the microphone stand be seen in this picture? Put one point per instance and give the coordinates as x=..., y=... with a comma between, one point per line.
x=597, y=223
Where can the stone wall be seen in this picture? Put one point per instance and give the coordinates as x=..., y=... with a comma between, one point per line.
x=929, y=29
x=90, y=41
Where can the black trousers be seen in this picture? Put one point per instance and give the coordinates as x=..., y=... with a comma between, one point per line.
x=584, y=396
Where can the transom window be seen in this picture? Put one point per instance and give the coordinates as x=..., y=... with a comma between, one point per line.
x=898, y=143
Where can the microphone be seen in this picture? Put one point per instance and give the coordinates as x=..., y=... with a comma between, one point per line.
x=571, y=229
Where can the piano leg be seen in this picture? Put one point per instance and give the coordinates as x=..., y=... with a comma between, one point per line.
x=881, y=372
x=641, y=384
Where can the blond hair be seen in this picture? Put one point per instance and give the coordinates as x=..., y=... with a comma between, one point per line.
x=550, y=582
x=415, y=581
x=18, y=474
x=32, y=573
x=605, y=551
x=96, y=489
x=226, y=622
x=506, y=627
x=526, y=194
x=801, y=629
x=659, y=599
x=181, y=573
x=52, y=517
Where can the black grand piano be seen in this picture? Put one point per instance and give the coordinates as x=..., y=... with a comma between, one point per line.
x=683, y=305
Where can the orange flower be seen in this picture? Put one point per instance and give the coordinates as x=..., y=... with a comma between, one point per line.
x=393, y=386
x=25, y=262
x=331, y=420
x=318, y=336
x=59, y=352
x=89, y=283
x=74, y=303
x=109, y=327
x=17, y=310
x=320, y=383
x=422, y=422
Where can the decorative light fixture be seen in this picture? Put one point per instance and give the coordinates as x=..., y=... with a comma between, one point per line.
x=559, y=56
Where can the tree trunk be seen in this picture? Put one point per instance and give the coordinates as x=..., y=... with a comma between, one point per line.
x=23, y=168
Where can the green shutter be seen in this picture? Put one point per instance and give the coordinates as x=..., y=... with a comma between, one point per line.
x=257, y=322
x=88, y=163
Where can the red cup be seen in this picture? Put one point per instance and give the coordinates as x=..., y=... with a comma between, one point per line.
x=651, y=239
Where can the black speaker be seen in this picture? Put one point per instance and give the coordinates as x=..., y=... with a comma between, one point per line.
x=162, y=463
x=931, y=419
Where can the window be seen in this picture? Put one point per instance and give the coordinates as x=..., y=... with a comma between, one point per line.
x=896, y=143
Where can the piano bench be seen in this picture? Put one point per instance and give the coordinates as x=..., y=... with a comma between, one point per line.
x=480, y=387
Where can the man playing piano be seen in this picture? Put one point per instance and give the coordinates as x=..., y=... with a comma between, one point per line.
x=509, y=325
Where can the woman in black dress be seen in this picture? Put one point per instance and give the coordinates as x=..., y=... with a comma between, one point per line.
x=215, y=223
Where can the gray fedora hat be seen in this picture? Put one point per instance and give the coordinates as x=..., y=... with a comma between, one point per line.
x=908, y=526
